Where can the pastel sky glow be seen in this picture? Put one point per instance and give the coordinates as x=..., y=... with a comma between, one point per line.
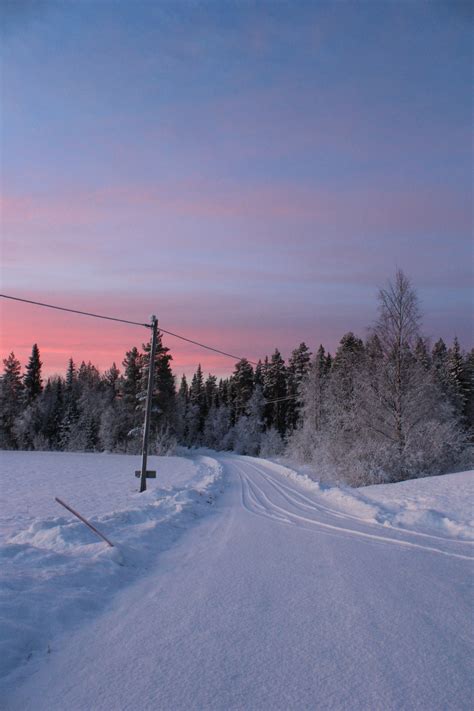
x=251, y=172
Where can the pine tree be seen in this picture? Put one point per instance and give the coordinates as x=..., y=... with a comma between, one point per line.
x=304, y=440
x=111, y=381
x=243, y=384
x=132, y=376
x=421, y=353
x=275, y=388
x=32, y=379
x=458, y=378
x=131, y=416
x=11, y=400
x=164, y=391
x=258, y=374
x=342, y=385
x=50, y=407
x=196, y=411
x=182, y=400
x=85, y=433
x=249, y=427
x=223, y=392
x=439, y=362
x=298, y=367
x=70, y=406
x=469, y=369
x=210, y=389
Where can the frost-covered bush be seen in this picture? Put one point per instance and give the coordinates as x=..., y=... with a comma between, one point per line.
x=165, y=443
x=271, y=444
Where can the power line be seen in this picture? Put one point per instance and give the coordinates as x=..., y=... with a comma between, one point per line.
x=74, y=311
x=145, y=325
x=209, y=348
x=281, y=399
x=123, y=320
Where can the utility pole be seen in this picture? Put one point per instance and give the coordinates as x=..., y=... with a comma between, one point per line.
x=149, y=397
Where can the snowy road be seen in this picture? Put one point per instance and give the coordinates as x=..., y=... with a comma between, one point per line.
x=275, y=601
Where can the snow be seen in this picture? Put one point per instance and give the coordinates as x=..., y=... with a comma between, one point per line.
x=244, y=585
x=436, y=505
x=54, y=571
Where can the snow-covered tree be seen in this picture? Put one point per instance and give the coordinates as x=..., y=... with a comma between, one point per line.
x=182, y=398
x=249, y=427
x=242, y=387
x=458, y=379
x=210, y=389
x=84, y=435
x=298, y=367
x=196, y=411
x=11, y=400
x=306, y=438
x=217, y=428
x=399, y=410
x=275, y=388
x=70, y=413
x=341, y=392
x=422, y=353
x=130, y=415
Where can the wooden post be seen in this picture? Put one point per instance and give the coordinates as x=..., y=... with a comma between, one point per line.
x=149, y=397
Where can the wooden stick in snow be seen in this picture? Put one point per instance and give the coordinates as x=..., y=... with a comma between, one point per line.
x=81, y=518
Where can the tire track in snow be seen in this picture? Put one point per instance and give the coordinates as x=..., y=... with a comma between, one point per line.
x=259, y=502
x=293, y=495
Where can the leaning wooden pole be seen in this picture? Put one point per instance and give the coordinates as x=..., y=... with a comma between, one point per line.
x=149, y=398
x=84, y=520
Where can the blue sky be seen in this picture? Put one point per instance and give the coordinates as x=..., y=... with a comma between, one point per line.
x=251, y=171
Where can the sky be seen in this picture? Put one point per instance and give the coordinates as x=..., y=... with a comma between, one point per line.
x=250, y=172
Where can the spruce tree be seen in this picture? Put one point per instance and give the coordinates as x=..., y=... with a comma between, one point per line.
x=275, y=388
x=243, y=384
x=341, y=389
x=458, y=378
x=131, y=416
x=11, y=400
x=298, y=367
x=50, y=406
x=210, y=389
x=164, y=392
x=196, y=411
x=182, y=400
x=32, y=379
x=439, y=362
x=258, y=375
x=422, y=354
x=70, y=406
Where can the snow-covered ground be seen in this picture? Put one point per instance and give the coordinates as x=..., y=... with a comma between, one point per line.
x=236, y=583
x=55, y=573
x=438, y=504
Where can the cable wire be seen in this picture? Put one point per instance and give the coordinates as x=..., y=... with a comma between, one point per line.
x=145, y=325
x=202, y=345
x=74, y=311
x=122, y=320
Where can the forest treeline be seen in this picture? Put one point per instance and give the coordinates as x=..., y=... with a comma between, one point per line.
x=386, y=408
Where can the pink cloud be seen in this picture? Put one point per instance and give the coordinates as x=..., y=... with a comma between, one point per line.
x=351, y=211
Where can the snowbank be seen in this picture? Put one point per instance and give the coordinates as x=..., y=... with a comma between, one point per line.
x=54, y=572
x=438, y=505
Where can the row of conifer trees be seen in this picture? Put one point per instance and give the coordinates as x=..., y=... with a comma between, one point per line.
x=386, y=408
